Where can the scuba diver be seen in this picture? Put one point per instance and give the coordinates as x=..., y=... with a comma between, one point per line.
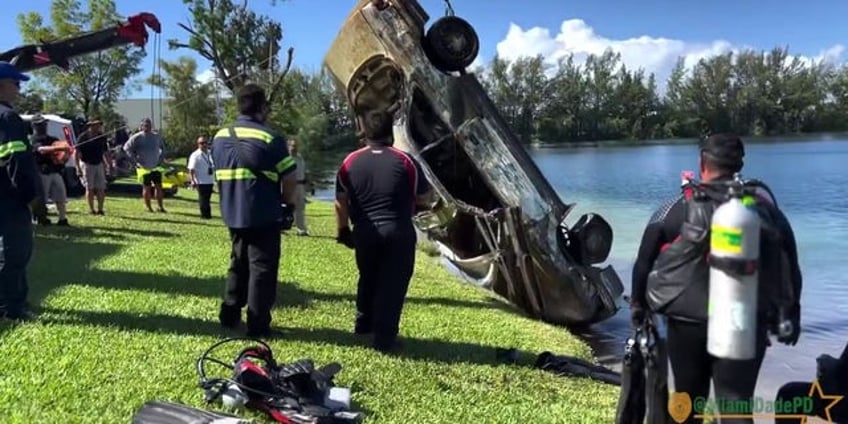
x=672, y=276
x=832, y=377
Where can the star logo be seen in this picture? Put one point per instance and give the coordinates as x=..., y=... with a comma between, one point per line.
x=817, y=389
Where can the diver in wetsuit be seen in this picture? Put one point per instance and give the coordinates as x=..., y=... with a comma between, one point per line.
x=721, y=156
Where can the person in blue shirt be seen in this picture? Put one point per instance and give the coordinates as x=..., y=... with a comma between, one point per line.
x=19, y=185
x=252, y=165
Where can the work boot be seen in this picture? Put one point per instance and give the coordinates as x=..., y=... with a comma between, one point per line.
x=382, y=345
x=267, y=333
x=22, y=315
x=63, y=223
x=259, y=325
x=229, y=316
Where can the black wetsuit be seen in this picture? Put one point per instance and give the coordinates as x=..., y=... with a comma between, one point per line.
x=381, y=184
x=692, y=366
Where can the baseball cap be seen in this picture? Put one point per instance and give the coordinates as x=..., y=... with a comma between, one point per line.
x=726, y=150
x=9, y=71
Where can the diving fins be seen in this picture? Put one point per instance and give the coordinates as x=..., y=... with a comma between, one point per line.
x=159, y=412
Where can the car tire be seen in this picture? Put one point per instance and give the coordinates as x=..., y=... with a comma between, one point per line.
x=451, y=44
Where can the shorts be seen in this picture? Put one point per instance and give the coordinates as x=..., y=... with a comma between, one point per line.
x=94, y=176
x=152, y=178
x=54, y=187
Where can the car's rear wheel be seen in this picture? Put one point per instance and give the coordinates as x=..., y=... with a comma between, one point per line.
x=452, y=44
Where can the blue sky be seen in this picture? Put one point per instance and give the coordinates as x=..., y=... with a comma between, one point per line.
x=649, y=33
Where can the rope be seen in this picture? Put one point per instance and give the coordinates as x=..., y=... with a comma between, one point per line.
x=448, y=8
x=186, y=100
x=156, y=75
x=153, y=83
x=159, y=73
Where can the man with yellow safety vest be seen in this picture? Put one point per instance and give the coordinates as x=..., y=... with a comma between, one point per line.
x=252, y=164
x=19, y=185
x=147, y=149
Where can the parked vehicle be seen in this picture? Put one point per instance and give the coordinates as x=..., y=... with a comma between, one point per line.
x=498, y=219
x=69, y=129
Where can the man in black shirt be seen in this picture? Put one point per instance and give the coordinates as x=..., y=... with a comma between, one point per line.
x=92, y=164
x=51, y=171
x=377, y=189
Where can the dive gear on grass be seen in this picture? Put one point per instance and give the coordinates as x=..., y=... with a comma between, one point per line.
x=289, y=393
x=631, y=397
x=644, y=377
x=159, y=412
x=575, y=367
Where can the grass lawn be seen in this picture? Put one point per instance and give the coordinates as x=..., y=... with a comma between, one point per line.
x=130, y=300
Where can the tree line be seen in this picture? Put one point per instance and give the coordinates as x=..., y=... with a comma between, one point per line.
x=750, y=93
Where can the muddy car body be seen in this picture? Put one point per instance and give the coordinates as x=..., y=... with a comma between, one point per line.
x=497, y=219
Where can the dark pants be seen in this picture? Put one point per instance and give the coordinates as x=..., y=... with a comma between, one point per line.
x=694, y=367
x=204, y=194
x=789, y=391
x=16, y=243
x=39, y=209
x=252, y=278
x=385, y=256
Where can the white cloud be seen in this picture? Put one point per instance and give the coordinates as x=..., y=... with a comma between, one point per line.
x=654, y=54
x=206, y=76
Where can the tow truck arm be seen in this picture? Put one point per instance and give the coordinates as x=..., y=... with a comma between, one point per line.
x=36, y=56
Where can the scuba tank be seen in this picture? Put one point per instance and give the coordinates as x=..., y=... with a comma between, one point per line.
x=733, y=289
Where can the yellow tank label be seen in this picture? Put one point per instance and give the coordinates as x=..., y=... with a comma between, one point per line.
x=726, y=239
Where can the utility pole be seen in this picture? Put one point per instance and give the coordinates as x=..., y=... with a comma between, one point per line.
x=219, y=113
x=270, y=62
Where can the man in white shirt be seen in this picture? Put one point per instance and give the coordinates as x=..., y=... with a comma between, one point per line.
x=202, y=172
x=300, y=193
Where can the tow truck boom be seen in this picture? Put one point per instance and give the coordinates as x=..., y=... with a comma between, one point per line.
x=36, y=56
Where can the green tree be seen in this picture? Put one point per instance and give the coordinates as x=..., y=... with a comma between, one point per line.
x=310, y=110
x=191, y=105
x=749, y=92
x=94, y=81
x=30, y=102
x=241, y=44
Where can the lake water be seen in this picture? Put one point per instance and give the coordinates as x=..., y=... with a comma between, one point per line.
x=809, y=178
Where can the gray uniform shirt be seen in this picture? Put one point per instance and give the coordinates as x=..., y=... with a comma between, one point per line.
x=146, y=149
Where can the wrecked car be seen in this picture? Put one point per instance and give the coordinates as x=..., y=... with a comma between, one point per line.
x=498, y=219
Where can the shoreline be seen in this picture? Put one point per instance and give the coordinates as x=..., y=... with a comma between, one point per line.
x=776, y=139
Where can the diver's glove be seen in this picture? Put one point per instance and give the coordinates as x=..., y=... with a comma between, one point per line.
x=345, y=237
x=792, y=316
x=637, y=314
x=288, y=216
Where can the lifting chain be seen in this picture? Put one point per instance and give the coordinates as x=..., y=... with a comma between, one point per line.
x=448, y=8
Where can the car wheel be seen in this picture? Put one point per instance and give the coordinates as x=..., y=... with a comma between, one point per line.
x=452, y=44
